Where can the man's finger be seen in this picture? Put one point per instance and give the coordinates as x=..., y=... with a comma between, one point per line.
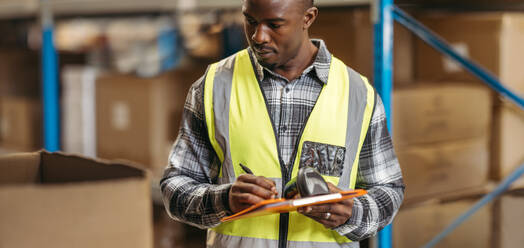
x=323, y=208
x=261, y=181
x=247, y=198
x=322, y=217
x=331, y=222
x=255, y=189
x=333, y=188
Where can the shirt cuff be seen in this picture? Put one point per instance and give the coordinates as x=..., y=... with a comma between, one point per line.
x=222, y=199
x=353, y=222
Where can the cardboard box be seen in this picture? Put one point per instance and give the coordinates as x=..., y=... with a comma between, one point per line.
x=19, y=73
x=433, y=113
x=348, y=34
x=494, y=40
x=138, y=118
x=21, y=123
x=57, y=200
x=508, y=140
x=363, y=49
x=508, y=216
x=416, y=226
x=335, y=27
x=132, y=119
x=430, y=170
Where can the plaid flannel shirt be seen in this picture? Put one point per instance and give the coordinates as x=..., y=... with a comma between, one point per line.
x=189, y=186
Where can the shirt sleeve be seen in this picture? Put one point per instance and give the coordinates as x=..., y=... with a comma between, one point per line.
x=189, y=185
x=380, y=174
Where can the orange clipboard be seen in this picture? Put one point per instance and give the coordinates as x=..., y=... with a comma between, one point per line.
x=281, y=205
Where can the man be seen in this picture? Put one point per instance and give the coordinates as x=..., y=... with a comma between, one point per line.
x=284, y=102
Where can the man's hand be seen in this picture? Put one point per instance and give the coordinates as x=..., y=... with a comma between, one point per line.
x=332, y=214
x=248, y=190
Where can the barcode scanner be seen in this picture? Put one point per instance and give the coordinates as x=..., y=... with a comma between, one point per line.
x=308, y=182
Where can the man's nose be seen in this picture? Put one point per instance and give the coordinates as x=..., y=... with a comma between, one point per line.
x=260, y=36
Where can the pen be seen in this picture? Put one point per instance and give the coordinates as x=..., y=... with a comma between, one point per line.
x=247, y=170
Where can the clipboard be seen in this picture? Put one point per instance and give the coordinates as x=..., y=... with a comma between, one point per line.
x=281, y=205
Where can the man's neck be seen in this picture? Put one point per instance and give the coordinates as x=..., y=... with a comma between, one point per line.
x=294, y=67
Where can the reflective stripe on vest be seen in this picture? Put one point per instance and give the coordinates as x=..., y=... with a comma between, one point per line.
x=219, y=240
x=241, y=131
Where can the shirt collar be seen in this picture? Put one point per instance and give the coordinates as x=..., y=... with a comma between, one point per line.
x=320, y=66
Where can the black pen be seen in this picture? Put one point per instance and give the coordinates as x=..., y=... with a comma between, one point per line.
x=247, y=170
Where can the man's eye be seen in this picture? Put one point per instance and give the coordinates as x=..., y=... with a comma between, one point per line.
x=274, y=26
x=251, y=22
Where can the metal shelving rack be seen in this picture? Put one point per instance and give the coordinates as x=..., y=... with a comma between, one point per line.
x=383, y=14
x=485, y=76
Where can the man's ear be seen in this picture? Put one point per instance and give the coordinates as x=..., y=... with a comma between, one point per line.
x=309, y=17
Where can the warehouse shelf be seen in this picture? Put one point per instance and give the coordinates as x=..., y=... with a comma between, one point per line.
x=486, y=77
x=30, y=8
x=18, y=8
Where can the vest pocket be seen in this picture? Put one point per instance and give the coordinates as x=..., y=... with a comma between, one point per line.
x=327, y=159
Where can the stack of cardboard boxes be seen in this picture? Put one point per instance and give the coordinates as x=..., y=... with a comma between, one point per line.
x=452, y=139
x=494, y=40
x=441, y=135
x=138, y=118
x=20, y=107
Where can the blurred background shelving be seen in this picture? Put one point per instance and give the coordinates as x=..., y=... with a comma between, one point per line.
x=125, y=68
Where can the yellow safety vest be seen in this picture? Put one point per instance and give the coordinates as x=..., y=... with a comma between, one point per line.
x=240, y=131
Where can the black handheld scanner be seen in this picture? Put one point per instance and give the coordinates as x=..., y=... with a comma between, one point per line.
x=308, y=182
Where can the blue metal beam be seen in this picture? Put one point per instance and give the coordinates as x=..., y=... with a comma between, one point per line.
x=383, y=74
x=442, y=46
x=50, y=95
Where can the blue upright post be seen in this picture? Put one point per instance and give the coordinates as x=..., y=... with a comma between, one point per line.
x=50, y=95
x=383, y=74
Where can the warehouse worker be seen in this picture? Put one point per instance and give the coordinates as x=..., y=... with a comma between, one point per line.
x=272, y=107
